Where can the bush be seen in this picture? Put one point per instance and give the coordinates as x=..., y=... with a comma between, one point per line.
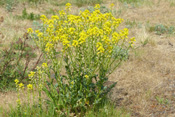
x=14, y=62
x=80, y=53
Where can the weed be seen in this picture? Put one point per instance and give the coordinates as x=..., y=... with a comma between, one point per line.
x=130, y=24
x=107, y=109
x=162, y=29
x=80, y=3
x=162, y=100
x=145, y=42
x=37, y=25
x=9, y=5
x=29, y=16
x=51, y=11
x=14, y=62
x=103, y=9
x=90, y=52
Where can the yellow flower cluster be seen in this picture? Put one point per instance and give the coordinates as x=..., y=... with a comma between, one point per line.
x=31, y=74
x=100, y=48
x=81, y=31
x=29, y=86
x=112, y=5
x=19, y=85
x=68, y=6
x=132, y=40
x=44, y=65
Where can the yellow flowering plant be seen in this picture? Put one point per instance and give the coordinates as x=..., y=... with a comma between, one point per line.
x=89, y=47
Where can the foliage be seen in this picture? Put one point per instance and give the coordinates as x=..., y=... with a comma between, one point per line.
x=130, y=24
x=9, y=5
x=107, y=109
x=103, y=9
x=51, y=11
x=161, y=100
x=37, y=25
x=14, y=62
x=29, y=16
x=162, y=29
x=87, y=2
x=80, y=52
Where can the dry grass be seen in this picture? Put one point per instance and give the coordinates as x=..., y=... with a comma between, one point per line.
x=141, y=78
x=150, y=68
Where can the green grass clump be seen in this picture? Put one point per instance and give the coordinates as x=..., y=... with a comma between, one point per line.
x=162, y=29
x=80, y=3
x=107, y=109
x=29, y=16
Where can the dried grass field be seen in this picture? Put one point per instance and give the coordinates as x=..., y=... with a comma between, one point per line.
x=146, y=81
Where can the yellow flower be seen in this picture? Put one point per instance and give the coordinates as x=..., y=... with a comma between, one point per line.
x=115, y=37
x=72, y=83
x=108, y=24
x=37, y=31
x=29, y=86
x=86, y=76
x=44, y=65
x=18, y=101
x=62, y=13
x=97, y=6
x=40, y=34
x=71, y=30
x=16, y=81
x=112, y=5
x=82, y=40
x=55, y=17
x=42, y=17
x=21, y=85
x=66, y=43
x=98, y=44
x=29, y=30
x=31, y=74
x=68, y=6
x=132, y=40
x=75, y=43
x=49, y=46
x=100, y=50
x=106, y=40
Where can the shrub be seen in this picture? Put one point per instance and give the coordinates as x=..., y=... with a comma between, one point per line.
x=14, y=62
x=80, y=52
